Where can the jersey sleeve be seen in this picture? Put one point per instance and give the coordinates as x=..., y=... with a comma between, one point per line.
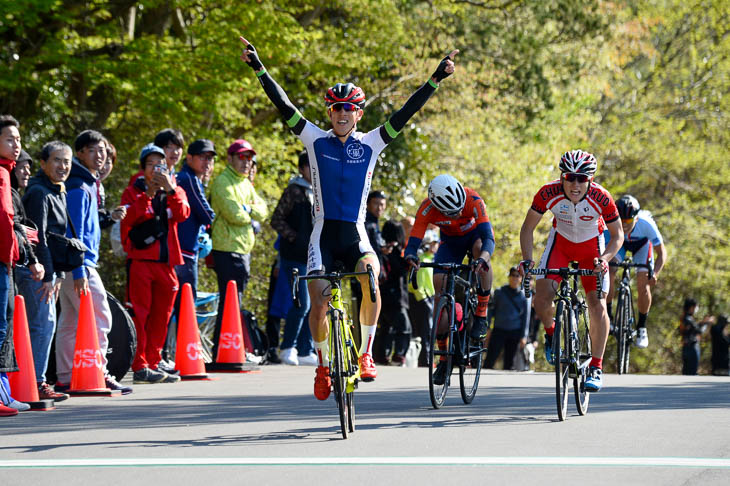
x=610, y=212
x=419, y=227
x=653, y=234
x=310, y=132
x=539, y=203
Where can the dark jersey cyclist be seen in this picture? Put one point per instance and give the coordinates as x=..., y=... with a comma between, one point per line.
x=461, y=215
x=342, y=161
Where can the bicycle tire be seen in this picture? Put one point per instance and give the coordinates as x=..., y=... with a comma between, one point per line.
x=437, y=393
x=470, y=368
x=337, y=372
x=584, y=352
x=622, y=329
x=562, y=360
x=351, y=371
x=630, y=330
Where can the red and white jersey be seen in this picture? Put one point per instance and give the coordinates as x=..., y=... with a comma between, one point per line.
x=576, y=222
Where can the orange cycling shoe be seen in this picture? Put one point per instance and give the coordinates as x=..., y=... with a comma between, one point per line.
x=322, y=383
x=367, y=368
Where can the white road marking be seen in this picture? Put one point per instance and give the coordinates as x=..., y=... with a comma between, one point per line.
x=686, y=462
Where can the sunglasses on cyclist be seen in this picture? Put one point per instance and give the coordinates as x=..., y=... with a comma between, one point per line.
x=343, y=106
x=572, y=177
x=628, y=220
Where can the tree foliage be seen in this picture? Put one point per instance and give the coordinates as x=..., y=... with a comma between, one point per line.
x=642, y=84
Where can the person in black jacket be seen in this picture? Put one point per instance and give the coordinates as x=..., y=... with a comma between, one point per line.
x=394, y=325
x=691, y=332
x=720, y=347
x=45, y=205
x=508, y=308
x=292, y=219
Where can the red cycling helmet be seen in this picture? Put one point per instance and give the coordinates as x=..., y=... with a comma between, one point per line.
x=345, y=93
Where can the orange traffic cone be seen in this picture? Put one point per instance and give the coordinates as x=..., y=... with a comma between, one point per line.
x=188, y=351
x=231, y=352
x=87, y=376
x=23, y=382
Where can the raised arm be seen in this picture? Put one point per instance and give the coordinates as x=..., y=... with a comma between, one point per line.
x=276, y=94
x=398, y=120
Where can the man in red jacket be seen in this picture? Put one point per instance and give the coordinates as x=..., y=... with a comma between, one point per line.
x=149, y=235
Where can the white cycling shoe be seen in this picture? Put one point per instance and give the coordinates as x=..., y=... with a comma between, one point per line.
x=642, y=339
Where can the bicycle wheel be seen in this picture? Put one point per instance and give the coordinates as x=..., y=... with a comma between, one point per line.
x=561, y=348
x=629, y=330
x=584, y=358
x=351, y=369
x=470, y=364
x=437, y=391
x=337, y=371
x=623, y=330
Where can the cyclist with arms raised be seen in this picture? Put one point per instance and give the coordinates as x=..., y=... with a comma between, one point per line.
x=461, y=215
x=642, y=238
x=342, y=161
x=582, y=209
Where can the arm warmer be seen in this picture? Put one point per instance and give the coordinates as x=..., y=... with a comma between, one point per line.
x=487, y=235
x=276, y=94
x=398, y=120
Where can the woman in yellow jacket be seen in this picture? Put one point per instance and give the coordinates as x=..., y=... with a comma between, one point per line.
x=236, y=204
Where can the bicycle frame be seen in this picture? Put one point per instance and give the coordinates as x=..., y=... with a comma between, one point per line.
x=337, y=316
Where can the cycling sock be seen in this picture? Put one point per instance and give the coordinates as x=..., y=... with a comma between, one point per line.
x=367, y=334
x=642, y=320
x=482, y=302
x=441, y=345
x=597, y=363
x=550, y=330
x=322, y=350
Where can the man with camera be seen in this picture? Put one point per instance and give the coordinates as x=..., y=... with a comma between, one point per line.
x=149, y=235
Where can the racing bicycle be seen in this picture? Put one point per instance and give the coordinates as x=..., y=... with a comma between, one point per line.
x=344, y=368
x=572, y=339
x=457, y=348
x=624, y=321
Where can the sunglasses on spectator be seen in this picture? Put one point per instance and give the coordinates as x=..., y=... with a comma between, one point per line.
x=343, y=106
x=572, y=177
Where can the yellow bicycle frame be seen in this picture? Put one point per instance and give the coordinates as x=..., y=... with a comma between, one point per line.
x=350, y=352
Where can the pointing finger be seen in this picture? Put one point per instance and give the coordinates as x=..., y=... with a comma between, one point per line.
x=245, y=42
x=452, y=54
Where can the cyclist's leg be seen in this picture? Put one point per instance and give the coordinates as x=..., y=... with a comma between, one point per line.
x=485, y=282
x=451, y=250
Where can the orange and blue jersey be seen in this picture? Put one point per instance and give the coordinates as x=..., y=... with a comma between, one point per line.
x=473, y=222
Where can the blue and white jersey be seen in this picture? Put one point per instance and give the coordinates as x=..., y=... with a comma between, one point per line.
x=341, y=173
x=645, y=228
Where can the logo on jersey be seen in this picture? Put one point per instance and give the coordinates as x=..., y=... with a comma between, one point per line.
x=467, y=225
x=355, y=151
x=586, y=218
x=564, y=209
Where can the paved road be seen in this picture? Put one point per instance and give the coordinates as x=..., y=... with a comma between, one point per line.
x=268, y=427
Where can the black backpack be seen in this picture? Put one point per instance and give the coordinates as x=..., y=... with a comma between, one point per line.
x=256, y=341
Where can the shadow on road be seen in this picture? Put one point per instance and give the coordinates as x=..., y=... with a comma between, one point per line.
x=376, y=409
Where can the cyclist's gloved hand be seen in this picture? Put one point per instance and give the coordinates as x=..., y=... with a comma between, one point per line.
x=601, y=265
x=481, y=264
x=445, y=67
x=250, y=56
x=525, y=265
x=413, y=261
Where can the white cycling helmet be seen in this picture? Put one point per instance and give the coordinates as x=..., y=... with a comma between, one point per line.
x=447, y=194
x=578, y=162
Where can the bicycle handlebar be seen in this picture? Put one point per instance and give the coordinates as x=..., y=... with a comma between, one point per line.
x=627, y=264
x=448, y=267
x=564, y=273
x=332, y=277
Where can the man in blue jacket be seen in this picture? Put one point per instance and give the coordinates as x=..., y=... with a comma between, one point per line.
x=199, y=161
x=82, y=206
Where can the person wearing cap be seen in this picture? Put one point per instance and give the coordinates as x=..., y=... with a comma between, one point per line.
x=198, y=162
x=83, y=210
x=150, y=238
x=171, y=141
x=235, y=203
x=509, y=311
